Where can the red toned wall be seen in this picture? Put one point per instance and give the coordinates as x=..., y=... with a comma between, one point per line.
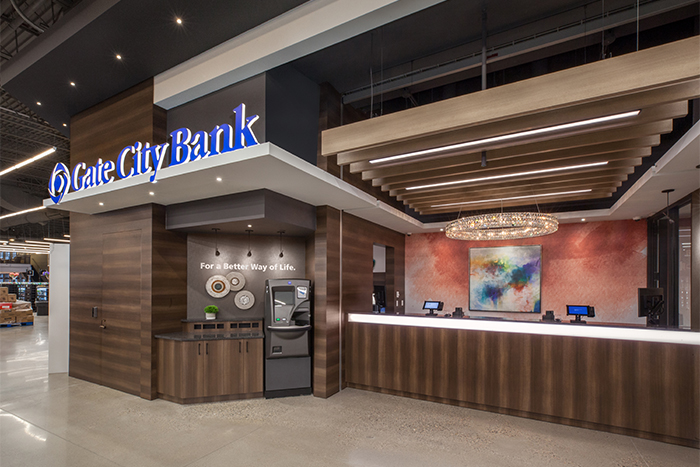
x=597, y=263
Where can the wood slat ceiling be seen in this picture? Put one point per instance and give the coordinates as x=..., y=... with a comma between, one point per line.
x=522, y=170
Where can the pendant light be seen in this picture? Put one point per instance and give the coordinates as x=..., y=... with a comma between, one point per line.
x=250, y=253
x=281, y=252
x=216, y=242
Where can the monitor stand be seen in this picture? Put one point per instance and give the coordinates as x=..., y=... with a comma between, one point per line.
x=432, y=313
x=578, y=320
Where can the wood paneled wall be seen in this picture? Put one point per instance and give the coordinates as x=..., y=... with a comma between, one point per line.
x=359, y=236
x=643, y=389
x=326, y=315
x=695, y=261
x=123, y=262
x=104, y=130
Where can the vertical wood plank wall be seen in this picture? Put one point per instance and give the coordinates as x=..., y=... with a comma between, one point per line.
x=141, y=291
x=695, y=261
x=326, y=334
x=643, y=389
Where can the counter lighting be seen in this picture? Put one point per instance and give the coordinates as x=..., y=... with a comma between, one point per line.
x=544, y=329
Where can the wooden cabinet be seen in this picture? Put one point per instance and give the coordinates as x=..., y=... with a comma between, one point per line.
x=210, y=370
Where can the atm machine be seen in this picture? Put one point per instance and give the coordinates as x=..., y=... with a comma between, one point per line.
x=287, y=337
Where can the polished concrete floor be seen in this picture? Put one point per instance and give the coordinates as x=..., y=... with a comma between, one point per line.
x=60, y=421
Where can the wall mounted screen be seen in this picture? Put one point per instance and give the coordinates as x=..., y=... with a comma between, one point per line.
x=505, y=279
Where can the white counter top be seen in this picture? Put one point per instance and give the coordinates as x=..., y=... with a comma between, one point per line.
x=524, y=327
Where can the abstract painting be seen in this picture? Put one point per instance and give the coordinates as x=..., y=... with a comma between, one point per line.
x=505, y=278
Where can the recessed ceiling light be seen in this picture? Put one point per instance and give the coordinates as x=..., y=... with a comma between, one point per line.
x=218, y=179
x=583, y=220
x=520, y=134
x=12, y=239
x=151, y=193
x=511, y=198
x=518, y=174
x=442, y=230
x=65, y=124
x=102, y=204
x=38, y=103
x=178, y=20
x=119, y=57
x=250, y=226
x=72, y=83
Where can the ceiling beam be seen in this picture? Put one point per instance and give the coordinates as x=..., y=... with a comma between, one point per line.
x=653, y=68
x=640, y=147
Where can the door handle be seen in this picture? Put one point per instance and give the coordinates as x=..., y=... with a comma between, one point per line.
x=246, y=346
x=239, y=346
x=103, y=324
x=207, y=347
x=199, y=349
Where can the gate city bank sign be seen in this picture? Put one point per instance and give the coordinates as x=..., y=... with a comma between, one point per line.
x=186, y=147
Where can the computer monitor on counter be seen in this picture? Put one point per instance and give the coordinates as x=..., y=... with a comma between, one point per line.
x=432, y=307
x=578, y=311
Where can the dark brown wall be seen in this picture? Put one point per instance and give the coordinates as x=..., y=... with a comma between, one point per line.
x=643, y=389
x=123, y=262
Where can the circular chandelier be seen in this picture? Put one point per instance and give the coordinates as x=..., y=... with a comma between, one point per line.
x=502, y=226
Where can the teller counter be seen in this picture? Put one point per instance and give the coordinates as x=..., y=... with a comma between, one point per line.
x=633, y=381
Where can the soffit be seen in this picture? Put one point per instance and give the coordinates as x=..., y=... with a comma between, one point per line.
x=658, y=82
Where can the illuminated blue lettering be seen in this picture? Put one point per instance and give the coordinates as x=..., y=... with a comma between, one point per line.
x=180, y=152
x=107, y=167
x=76, y=179
x=90, y=178
x=59, y=183
x=244, y=133
x=139, y=166
x=120, y=163
x=200, y=146
x=223, y=143
x=158, y=156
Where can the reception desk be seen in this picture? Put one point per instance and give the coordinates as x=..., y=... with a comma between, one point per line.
x=636, y=381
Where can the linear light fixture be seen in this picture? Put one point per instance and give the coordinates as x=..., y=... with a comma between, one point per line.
x=32, y=252
x=512, y=197
x=22, y=212
x=524, y=327
x=518, y=174
x=37, y=241
x=29, y=161
x=519, y=134
x=60, y=240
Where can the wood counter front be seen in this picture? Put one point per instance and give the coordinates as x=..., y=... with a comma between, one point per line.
x=638, y=388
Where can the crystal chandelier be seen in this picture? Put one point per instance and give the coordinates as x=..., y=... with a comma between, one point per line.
x=502, y=226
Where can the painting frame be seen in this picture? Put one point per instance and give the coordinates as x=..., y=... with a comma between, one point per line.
x=506, y=279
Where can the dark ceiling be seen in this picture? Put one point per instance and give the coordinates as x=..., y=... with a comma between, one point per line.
x=149, y=41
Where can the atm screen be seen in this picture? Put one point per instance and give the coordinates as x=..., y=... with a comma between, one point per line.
x=284, y=297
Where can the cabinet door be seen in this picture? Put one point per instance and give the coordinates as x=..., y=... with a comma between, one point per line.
x=232, y=366
x=193, y=369
x=251, y=380
x=217, y=356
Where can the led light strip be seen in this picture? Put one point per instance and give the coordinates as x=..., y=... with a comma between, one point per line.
x=28, y=161
x=523, y=327
x=22, y=212
x=520, y=134
x=512, y=197
x=519, y=174
x=59, y=240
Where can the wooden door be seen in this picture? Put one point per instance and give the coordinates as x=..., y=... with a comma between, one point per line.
x=120, y=315
x=251, y=380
